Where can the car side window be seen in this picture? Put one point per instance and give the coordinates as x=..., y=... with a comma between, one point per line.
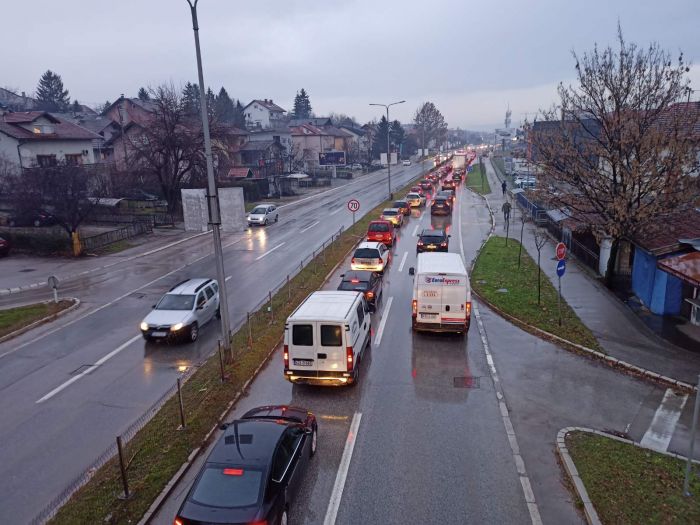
x=215, y=287
x=360, y=313
x=209, y=292
x=285, y=452
x=201, y=299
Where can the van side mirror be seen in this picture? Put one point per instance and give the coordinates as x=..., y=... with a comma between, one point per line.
x=411, y=271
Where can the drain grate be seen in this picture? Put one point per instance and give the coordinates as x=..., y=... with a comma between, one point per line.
x=466, y=382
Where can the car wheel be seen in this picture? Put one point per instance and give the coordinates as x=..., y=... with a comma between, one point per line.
x=194, y=331
x=265, y=223
x=147, y=338
x=283, y=519
x=277, y=218
x=356, y=373
x=314, y=440
x=37, y=223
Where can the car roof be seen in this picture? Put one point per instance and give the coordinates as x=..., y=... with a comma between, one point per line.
x=190, y=286
x=432, y=233
x=331, y=306
x=249, y=441
x=372, y=245
x=263, y=205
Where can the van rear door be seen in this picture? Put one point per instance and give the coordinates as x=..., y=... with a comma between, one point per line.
x=454, y=298
x=429, y=300
x=302, y=344
x=331, y=348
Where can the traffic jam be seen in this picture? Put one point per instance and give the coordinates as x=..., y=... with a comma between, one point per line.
x=254, y=471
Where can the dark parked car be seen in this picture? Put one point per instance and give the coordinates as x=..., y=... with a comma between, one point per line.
x=449, y=185
x=448, y=194
x=4, y=247
x=457, y=176
x=403, y=206
x=255, y=470
x=369, y=283
x=32, y=218
x=441, y=206
x=433, y=241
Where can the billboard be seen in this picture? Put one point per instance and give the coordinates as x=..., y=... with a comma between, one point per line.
x=331, y=158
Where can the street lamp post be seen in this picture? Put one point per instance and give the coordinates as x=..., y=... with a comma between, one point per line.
x=388, y=148
x=213, y=194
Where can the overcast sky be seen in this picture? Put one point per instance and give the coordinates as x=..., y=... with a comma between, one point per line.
x=470, y=58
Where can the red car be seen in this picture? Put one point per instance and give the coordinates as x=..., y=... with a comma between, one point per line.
x=4, y=247
x=416, y=189
x=381, y=231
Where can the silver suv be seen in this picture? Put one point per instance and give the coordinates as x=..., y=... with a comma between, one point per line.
x=183, y=311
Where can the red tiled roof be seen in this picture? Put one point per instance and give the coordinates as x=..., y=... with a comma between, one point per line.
x=63, y=130
x=240, y=173
x=664, y=239
x=686, y=267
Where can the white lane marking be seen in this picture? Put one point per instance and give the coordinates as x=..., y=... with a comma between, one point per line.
x=415, y=230
x=228, y=278
x=341, y=476
x=336, y=211
x=403, y=261
x=309, y=227
x=268, y=252
x=110, y=303
x=385, y=316
x=90, y=369
x=660, y=431
x=528, y=494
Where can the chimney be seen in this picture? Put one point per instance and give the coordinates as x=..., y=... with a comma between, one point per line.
x=271, y=101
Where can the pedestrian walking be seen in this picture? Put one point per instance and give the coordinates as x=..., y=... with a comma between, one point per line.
x=503, y=187
x=506, y=212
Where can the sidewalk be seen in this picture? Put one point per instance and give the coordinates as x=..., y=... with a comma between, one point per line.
x=619, y=331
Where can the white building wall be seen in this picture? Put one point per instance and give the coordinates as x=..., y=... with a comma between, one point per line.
x=60, y=148
x=8, y=148
x=255, y=113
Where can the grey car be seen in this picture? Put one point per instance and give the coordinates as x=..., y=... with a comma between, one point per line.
x=182, y=311
x=263, y=214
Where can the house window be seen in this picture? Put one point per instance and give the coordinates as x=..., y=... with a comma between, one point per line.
x=46, y=161
x=74, y=159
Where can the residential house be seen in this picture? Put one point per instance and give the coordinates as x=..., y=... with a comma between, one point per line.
x=11, y=101
x=341, y=139
x=124, y=111
x=319, y=122
x=266, y=158
x=263, y=114
x=358, y=143
x=102, y=125
x=307, y=142
x=32, y=139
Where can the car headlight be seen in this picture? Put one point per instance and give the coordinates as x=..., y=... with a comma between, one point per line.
x=176, y=327
x=144, y=325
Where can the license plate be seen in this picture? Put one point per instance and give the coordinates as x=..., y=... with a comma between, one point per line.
x=431, y=247
x=303, y=362
x=159, y=334
x=428, y=316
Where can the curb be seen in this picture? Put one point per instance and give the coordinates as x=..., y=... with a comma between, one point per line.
x=572, y=471
x=18, y=289
x=20, y=331
x=570, y=345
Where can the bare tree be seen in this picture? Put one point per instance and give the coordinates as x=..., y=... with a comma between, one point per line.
x=523, y=219
x=622, y=147
x=540, y=241
x=170, y=145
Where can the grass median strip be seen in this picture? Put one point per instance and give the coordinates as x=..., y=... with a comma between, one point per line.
x=477, y=181
x=13, y=319
x=629, y=484
x=158, y=450
x=498, y=279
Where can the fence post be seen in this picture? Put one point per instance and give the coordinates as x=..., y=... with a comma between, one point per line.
x=122, y=467
x=250, y=331
x=182, y=406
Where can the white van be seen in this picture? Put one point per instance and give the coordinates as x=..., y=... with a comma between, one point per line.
x=442, y=297
x=325, y=338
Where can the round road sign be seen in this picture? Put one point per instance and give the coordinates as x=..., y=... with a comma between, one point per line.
x=353, y=205
x=561, y=267
x=561, y=251
x=53, y=281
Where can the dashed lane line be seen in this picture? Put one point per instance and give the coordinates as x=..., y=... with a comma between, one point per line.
x=403, y=261
x=341, y=476
x=268, y=252
x=309, y=227
x=382, y=324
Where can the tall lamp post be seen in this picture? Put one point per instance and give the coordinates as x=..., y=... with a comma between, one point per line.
x=213, y=194
x=388, y=134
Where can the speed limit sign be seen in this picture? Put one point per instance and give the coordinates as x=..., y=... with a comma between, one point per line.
x=353, y=205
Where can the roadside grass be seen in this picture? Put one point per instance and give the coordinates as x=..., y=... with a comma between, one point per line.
x=113, y=248
x=13, y=319
x=496, y=268
x=158, y=450
x=476, y=183
x=630, y=485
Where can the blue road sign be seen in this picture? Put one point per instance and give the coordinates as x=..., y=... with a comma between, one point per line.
x=561, y=267
x=470, y=168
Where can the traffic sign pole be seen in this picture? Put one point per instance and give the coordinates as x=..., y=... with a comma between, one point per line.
x=561, y=268
x=353, y=206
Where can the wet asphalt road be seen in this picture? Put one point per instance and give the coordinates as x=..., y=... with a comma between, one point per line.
x=68, y=388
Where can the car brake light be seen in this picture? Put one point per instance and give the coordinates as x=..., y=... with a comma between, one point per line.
x=354, y=281
x=420, y=243
x=469, y=309
x=286, y=357
x=352, y=261
x=414, y=307
x=178, y=521
x=370, y=295
x=443, y=244
x=349, y=353
x=233, y=471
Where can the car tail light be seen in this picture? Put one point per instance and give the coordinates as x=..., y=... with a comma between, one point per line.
x=233, y=471
x=469, y=309
x=370, y=295
x=352, y=261
x=354, y=281
x=420, y=243
x=349, y=354
x=414, y=307
x=286, y=357
x=443, y=244
x=179, y=521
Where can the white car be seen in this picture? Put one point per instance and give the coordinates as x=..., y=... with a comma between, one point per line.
x=263, y=214
x=372, y=256
x=406, y=162
x=415, y=200
x=182, y=311
x=356, y=166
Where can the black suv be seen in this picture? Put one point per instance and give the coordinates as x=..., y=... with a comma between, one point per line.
x=441, y=206
x=433, y=241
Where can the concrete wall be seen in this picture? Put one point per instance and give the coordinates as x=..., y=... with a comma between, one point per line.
x=194, y=210
x=232, y=209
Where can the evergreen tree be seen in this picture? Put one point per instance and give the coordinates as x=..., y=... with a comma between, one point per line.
x=50, y=93
x=76, y=107
x=224, y=108
x=143, y=94
x=397, y=133
x=104, y=107
x=239, y=118
x=302, y=104
x=379, y=139
x=211, y=104
x=190, y=99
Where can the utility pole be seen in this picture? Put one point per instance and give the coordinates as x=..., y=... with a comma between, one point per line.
x=213, y=194
x=388, y=135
